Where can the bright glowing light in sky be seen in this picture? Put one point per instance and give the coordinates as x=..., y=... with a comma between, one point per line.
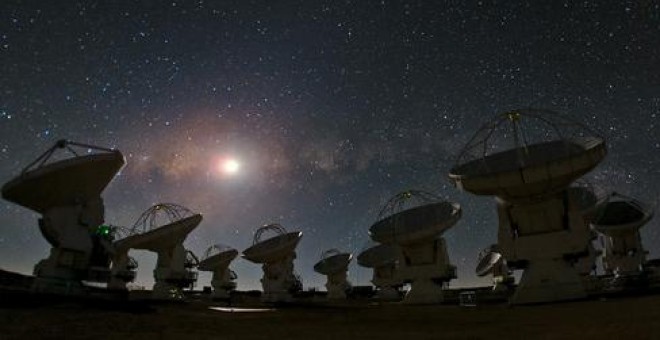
x=229, y=166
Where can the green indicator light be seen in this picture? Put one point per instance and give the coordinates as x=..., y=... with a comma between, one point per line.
x=103, y=230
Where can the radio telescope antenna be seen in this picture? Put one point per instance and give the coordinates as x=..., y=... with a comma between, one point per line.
x=162, y=229
x=528, y=158
x=383, y=259
x=276, y=254
x=414, y=221
x=124, y=267
x=216, y=259
x=492, y=262
x=334, y=265
x=589, y=200
x=619, y=223
x=67, y=193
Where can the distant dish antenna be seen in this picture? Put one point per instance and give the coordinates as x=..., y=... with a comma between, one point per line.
x=124, y=267
x=383, y=259
x=216, y=259
x=414, y=221
x=276, y=254
x=492, y=262
x=488, y=259
x=67, y=193
x=590, y=200
x=334, y=265
x=619, y=222
x=162, y=229
x=528, y=158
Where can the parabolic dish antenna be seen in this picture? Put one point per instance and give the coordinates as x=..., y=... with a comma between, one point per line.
x=216, y=259
x=526, y=153
x=162, y=229
x=44, y=184
x=217, y=255
x=619, y=221
x=161, y=226
x=488, y=258
x=383, y=259
x=332, y=261
x=377, y=255
x=492, y=262
x=589, y=198
x=124, y=267
x=528, y=158
x=67, y=193
x=334, y=264
x=273, y=248
x=415, y=220
x=276, y=254
x=412, y=216
x=622, y=214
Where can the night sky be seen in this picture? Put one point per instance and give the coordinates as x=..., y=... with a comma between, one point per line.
x=330, y=107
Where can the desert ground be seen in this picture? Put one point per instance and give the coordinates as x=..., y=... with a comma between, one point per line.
x=620, y=318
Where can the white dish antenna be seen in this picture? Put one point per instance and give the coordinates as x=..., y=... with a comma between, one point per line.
x=334, y=264
x=492, y=262
x=377, y=256
x=415, y=220
x=217, y=255
x=488, y=259
x=162, y=229
x=620, y=221
x=528, y=158
x=276, y=254
x=216, y=259
x=622, y=214
x=402, y=225
x=383, y=259
x=45, y=183
x=163, y=225
x=526, y=153
x=589, y=198
x=333, y=261
x=67, y=193
x=273, y=248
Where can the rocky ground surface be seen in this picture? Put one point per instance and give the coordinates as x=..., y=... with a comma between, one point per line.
x=621, y=318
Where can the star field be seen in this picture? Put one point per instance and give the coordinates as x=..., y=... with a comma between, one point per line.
x=332, y=107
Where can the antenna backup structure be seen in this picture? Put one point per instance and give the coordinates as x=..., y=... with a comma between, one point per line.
x=67, y=194
x=276, y=254
x=383, y=259
x=414, y=221
x=527, y=159
x=334, y=265
x=216, y=259
x=162, y=229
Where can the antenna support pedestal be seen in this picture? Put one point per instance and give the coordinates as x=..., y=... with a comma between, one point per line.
x=549, y=280
x=337, y=285
x=386, y=282
x=426, y=265
x=68, y=229
x=123, y=271
x=278, y=280
x=171, y=274
x=223, y=283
